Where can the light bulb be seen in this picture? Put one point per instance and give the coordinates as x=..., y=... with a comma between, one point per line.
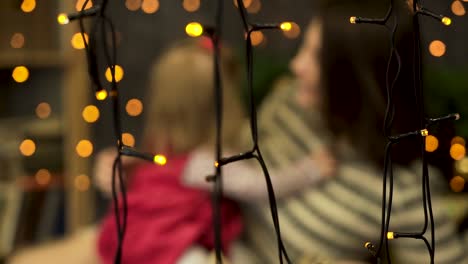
x=62, y=19
x=160, y=159
x=101, y=95
x=446, y=21
x=286, y=26
x=194, y=29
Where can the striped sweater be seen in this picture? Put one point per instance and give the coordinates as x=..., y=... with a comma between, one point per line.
x=334, y=219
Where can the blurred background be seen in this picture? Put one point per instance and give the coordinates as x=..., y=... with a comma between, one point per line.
x=51, y=126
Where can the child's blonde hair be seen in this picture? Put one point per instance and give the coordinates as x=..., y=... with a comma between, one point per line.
x=182, y=107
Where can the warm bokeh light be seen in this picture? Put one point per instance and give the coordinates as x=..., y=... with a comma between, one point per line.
x=84, y=148
x=432, y=143
x=462, y=165
x=128, y=139
x=458, y=8
x=247, y=3
x=191, y=5
x=20, y=74
x=62, y=19
x=194, y=29
x=457, y=184
x=101, y=95
x=43, y=110
x=90, y=114
x=257, y=38
x=294, y=32
x=17, y=41
x=79, y=4
x=255, y=7
x=160, y=159
x=352, y=20
x=458, y=140
x=119, y=73
x=133, y=5
x=77, y=41
x=150, y=6
x=457, y=151
x=43, y=177
x=437, y=48
x=27, y=147
x=82, y=183
x=134, y=107
x=28, y=6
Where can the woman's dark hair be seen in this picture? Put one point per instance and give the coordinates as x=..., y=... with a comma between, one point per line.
x=354, y=64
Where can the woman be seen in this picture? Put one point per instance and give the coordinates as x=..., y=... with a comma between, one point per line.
x=337, y=218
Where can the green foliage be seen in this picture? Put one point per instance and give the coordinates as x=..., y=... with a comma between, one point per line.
x=267, y=69
x=446, y=91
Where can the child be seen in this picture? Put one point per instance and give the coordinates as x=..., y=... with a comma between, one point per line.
x=169, y=207
x=166, y=220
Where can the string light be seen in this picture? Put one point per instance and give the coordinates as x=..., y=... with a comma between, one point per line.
x=119, y=73
x=458, y=8
x=82, y=183
x=79, y=4
x=17, y=41
x=194, y=29
x=150, y=6
x=191, y=5
x=133, y=5
x=77, y=41
x=128, y=139
x=437, y=48
x=294, y=32
x=28, y=6
x=84, y=148
x=90, y=114
x=62, y=19
x=43, y=110
x=101, y=95
x=27, y=147
x=390, y=235
x=457, y=184
x=432, y=143
x=286, y=26
x=43, y=177
x=446, y=21
x=457, y=151
x=134, y=107
x=20, y=74
x=160, y=159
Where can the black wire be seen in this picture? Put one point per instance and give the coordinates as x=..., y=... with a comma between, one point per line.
x=218, y=180
x=418, y=87
x=111, y=61
x=255, y=152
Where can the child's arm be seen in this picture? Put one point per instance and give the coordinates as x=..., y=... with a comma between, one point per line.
x=244, y=181
x=102, y=169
